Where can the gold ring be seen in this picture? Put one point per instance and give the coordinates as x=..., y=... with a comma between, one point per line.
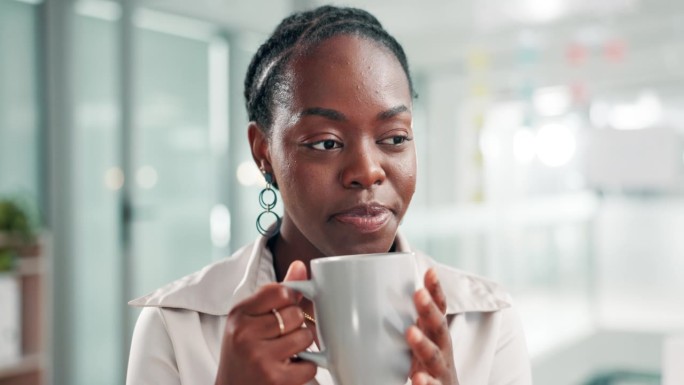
x=281, y=324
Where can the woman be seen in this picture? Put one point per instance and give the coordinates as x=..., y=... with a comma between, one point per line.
x=329, y=97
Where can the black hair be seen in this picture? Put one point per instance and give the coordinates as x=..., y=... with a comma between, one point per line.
x=265, y=81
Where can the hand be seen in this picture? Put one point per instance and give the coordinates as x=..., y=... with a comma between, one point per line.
x=429, y=340
x=254, y=351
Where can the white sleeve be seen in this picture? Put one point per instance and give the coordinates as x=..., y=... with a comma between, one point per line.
x=152, y=359
x=511, y=365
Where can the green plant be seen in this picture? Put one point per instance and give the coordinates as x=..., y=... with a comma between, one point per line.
x=17, y=232
x=7, y=259
x=16, y=221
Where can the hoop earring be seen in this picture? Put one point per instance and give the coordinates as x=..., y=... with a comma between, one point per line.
x=267, y=201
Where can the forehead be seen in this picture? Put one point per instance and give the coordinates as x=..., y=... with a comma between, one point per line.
x=348, y=71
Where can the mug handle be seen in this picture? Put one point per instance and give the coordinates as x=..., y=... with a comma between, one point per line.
x=308, y=290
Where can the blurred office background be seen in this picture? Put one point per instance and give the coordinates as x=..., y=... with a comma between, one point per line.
x=550, y=138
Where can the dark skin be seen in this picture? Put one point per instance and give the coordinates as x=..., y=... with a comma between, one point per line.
x=341, y=149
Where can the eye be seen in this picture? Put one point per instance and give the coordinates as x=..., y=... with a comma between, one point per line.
x=325, y=145
x=395, y=140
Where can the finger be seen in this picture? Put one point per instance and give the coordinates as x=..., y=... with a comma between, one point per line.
x=422, y=378
x=432, y=321
x=287, y=346
x=296, y=272
x=271, y=296
x=299, y=372
x=268, y=327
x=426, y=352
x=433, y=285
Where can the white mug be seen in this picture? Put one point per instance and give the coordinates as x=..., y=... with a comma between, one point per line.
x=363, y=307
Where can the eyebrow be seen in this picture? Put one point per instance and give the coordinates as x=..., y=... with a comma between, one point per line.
x=324, y=112
x=339, y=117
x=392, y=112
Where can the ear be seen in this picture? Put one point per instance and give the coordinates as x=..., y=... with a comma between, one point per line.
x=258, y=143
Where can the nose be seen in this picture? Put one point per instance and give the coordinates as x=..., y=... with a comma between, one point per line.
x=363, y=168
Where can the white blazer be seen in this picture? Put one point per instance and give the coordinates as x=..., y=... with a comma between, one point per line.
x=177, y=339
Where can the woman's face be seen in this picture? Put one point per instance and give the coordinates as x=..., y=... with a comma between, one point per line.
x=341, y=149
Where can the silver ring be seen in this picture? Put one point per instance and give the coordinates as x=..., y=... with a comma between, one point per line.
x=281, y=324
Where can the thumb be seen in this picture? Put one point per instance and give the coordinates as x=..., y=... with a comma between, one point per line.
x=296, y=272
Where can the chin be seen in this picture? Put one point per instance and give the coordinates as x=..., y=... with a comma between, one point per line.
x=364, y=245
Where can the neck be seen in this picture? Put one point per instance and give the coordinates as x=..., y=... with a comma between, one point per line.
x=289, y=246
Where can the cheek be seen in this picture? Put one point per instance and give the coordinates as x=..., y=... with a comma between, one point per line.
x=405, y=171
x=300, y=183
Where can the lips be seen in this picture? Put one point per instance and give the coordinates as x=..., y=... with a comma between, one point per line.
x=366, y=218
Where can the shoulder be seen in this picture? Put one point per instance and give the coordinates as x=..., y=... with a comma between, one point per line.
x=206, y=291
x=465, y=292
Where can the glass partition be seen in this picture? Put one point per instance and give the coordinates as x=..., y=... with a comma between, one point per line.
x=96, y=330
x=179, y=218
x=20, y=141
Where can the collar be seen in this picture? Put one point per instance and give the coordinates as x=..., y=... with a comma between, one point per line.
x=223, y=284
